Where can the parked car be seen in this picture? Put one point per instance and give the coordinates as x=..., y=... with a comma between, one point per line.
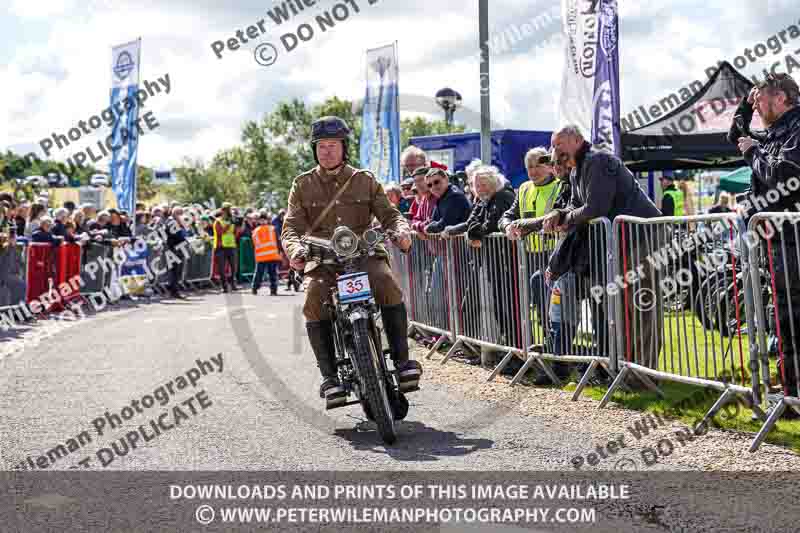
x=99, y=180
x=36, y=181
x=57, y=179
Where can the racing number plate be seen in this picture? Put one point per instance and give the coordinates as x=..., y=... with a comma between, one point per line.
x=354, y=288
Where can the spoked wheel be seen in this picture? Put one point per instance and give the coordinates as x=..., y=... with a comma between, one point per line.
x=715, y=304
x=375, y=393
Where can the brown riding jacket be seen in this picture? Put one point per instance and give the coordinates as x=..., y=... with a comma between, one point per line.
x=362, y=201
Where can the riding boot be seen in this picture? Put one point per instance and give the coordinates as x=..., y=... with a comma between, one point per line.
x=320, y=335
x=395, y=322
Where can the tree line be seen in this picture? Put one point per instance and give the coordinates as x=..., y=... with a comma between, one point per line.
x=258, y=171
x=276, y=149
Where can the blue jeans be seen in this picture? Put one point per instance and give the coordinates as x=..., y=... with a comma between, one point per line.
x=272, y=269
x=564, y=314
x=540, y=294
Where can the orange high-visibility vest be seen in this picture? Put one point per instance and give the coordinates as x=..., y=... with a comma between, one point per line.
x=265, y=244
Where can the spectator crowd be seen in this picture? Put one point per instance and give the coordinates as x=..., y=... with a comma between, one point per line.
x=231, y=232
x=570, y=184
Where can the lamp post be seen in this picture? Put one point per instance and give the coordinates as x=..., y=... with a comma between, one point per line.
x=449, y=100
x=483, y=43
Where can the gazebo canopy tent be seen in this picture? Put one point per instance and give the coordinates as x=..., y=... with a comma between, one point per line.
x=693, y=135
x=737, y=181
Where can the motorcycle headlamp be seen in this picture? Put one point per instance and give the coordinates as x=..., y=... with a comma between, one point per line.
x=371, y=237
x=344, y=241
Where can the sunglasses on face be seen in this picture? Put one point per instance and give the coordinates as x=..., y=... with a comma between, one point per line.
x=434, y=183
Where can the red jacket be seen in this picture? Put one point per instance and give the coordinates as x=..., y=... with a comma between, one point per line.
x=422, y=212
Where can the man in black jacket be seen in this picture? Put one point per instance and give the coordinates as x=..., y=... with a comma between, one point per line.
x=176, y=235
x=603, y=187
x=452, y=206
x=774, y=156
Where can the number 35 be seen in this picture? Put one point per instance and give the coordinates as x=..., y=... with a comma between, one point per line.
x=356, y=286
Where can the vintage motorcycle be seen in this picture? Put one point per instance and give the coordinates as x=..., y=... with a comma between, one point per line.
x=362, y=365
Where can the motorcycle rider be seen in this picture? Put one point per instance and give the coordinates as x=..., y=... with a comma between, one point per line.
x=362, y=199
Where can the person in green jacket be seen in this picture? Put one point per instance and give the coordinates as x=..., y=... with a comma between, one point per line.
x=225, y=247
x=672, y=203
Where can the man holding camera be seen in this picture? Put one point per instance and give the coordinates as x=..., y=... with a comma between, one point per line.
x=774, y=156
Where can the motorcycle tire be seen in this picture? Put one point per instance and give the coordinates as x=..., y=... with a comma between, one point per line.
x=374, y=389
x=400, y=406
x=704, y=308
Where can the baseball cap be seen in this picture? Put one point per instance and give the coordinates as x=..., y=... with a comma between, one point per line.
x=421, y=171
x=407, y=183
x=436, y=171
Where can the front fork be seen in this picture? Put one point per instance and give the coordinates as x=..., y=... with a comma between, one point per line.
x=343, y=340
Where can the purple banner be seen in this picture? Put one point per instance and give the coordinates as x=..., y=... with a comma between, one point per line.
x=605, y=102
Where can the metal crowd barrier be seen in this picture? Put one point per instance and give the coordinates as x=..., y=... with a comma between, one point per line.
x=198, y=268
x=486, y=299
x=429, y=285
x=246, y=260
x=30, y=270
x=774, y=261
x=40, y=270
x=157, y=265
x=96, y=280
x=495, y=297
x=13, y=266
x=568, y=319
x=682, y=300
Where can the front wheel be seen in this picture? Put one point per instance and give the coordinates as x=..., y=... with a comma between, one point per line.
x=374, y=391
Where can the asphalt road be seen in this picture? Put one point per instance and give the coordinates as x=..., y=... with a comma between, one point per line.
x=260, y=411
x=57, y=388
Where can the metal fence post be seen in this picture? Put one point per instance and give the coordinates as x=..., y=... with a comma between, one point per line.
x=615, y=269
x=524, y=299
x=750, y=284
x=452, y=295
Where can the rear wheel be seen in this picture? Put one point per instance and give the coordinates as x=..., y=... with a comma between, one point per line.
x=716, y=304
x=374, y=391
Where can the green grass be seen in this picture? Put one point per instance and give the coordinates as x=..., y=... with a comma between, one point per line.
x=736, y=417
x=715, y=354
x=691, y=350
x=688, y=349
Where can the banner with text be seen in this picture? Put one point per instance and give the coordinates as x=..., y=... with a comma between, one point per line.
x=605, y=104
x=580, y=29
x=380, y=134
x=124, y=85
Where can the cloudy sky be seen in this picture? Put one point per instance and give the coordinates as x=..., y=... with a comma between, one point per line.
x=56, y=54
